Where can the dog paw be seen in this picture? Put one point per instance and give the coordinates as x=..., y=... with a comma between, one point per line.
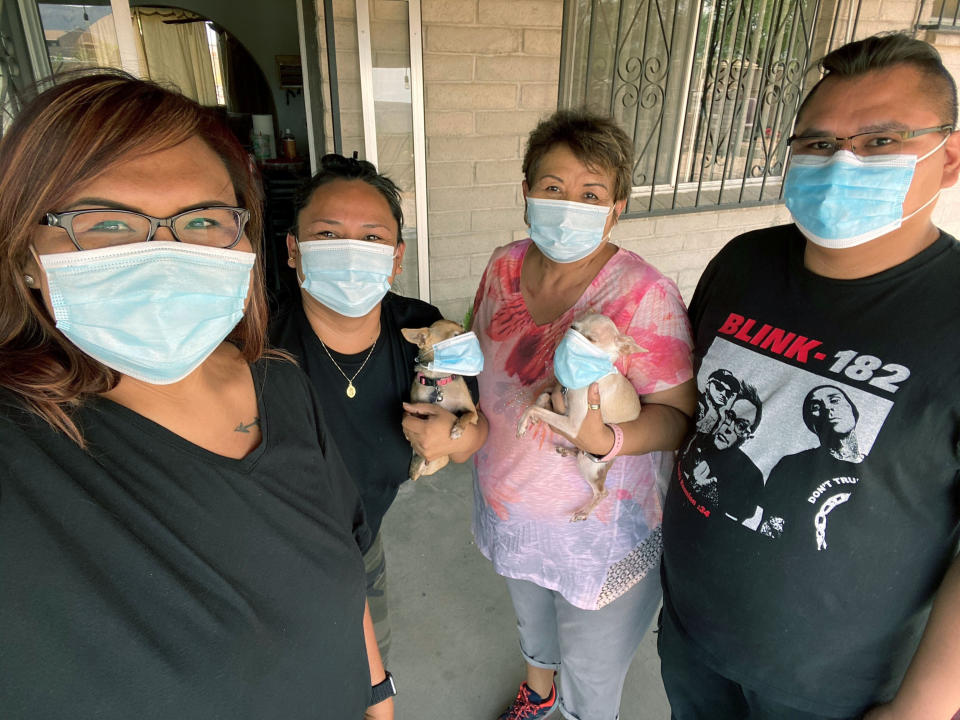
x=579, y=516
x=526, y=422
x=456, y=432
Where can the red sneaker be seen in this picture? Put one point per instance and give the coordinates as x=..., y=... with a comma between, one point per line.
x=524, y=709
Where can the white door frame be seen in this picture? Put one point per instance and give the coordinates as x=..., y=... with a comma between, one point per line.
x=365, y=51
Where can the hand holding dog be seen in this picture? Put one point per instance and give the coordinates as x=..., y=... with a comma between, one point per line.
x=594, y=436
x=427, y=426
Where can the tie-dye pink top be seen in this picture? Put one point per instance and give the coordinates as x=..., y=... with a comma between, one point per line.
x=525, y=492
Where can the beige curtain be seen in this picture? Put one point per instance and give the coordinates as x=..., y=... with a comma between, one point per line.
x=176, y=54
x=104, y=36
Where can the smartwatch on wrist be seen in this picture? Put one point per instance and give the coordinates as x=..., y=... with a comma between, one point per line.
x=384, y=689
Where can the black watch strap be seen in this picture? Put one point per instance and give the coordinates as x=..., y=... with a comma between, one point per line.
x=384, y=689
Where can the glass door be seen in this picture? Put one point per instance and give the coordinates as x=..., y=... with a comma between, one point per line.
x=373, y=105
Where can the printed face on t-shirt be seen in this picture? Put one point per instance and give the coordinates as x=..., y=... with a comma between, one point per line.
x=735, y=425
x=719, y=391
x=831, y=412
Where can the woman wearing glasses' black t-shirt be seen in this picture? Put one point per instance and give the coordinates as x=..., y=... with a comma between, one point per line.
x=147, y=577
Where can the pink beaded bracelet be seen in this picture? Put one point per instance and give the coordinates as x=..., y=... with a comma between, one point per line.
x=617, y=442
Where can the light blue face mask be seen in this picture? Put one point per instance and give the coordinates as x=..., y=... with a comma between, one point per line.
x=348, y=276
x=459, y=355
x=841, y=201
x=151, y=310
x=566, y=231
x=577, y=362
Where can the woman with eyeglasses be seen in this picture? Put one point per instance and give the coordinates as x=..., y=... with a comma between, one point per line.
x=344, y=328
x=178, y=535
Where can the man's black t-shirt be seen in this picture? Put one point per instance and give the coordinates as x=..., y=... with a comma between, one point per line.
x=851, y=417
x=367, y=427
x=145, y=577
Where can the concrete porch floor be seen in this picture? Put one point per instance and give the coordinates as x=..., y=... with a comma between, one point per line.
x=455, y=653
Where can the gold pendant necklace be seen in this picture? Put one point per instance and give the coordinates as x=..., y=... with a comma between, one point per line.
x=351, y=390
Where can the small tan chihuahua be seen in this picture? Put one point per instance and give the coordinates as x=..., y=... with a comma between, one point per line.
x=447, y=390
x=618, y=403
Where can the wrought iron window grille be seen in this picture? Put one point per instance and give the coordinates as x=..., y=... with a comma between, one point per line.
x=939, y=15
x=707, y=89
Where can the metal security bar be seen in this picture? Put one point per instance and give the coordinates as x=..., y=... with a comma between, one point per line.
x=13, y=79
x=708, y=89
x=939, y=15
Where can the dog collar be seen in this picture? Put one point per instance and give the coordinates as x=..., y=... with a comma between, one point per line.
x=436, y=384
x=424, y=380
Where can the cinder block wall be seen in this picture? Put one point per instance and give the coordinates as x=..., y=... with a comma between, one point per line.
x=491, y=69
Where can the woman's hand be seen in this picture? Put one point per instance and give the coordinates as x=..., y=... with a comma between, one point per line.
x=661, y=426
x=594, y=436
x=380, y=711
x=427, y=427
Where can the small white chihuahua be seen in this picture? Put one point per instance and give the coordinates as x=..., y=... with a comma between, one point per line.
x=618, y=403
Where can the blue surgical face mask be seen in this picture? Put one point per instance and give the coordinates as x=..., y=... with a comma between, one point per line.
x=459, y=355
x=841, y=201
x=578, y=362
x=348, y=276
x=566, y=231
x=151, y=310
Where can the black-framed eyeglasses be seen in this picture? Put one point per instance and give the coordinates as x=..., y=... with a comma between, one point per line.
x=218, y=227
x=741, y=426
x=868, y=144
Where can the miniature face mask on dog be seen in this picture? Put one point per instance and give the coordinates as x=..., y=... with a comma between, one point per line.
x=459, y=355
x=578, y=363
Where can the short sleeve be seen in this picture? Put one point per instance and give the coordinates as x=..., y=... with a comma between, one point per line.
x=661, y=327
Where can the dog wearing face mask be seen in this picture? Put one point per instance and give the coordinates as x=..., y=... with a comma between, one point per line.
x=446, y=355
x=619, y=401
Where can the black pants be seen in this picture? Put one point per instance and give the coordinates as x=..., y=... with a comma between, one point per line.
x=696, y=692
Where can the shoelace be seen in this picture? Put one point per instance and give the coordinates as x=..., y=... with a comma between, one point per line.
x=522, y=707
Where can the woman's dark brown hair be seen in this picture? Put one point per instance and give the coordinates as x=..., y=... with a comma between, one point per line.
x=596, y=141
x=63, y=139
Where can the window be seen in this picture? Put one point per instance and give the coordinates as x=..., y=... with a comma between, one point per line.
x=707, y=89
x=939, y=14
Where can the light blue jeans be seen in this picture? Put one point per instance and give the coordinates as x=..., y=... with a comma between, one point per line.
x=590, y=649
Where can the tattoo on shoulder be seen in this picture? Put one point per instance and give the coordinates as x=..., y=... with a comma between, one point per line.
x=245, y=427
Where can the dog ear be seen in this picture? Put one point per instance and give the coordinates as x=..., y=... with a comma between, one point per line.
x=415, y=335
x=626, y=345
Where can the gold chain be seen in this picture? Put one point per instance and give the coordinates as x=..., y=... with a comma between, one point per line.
x=351, y=390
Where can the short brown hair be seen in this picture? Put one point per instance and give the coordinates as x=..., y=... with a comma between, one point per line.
x=596, y=140
x=66, y=137
x=886, y=50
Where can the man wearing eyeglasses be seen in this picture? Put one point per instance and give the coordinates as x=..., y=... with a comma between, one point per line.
x=848, y=318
